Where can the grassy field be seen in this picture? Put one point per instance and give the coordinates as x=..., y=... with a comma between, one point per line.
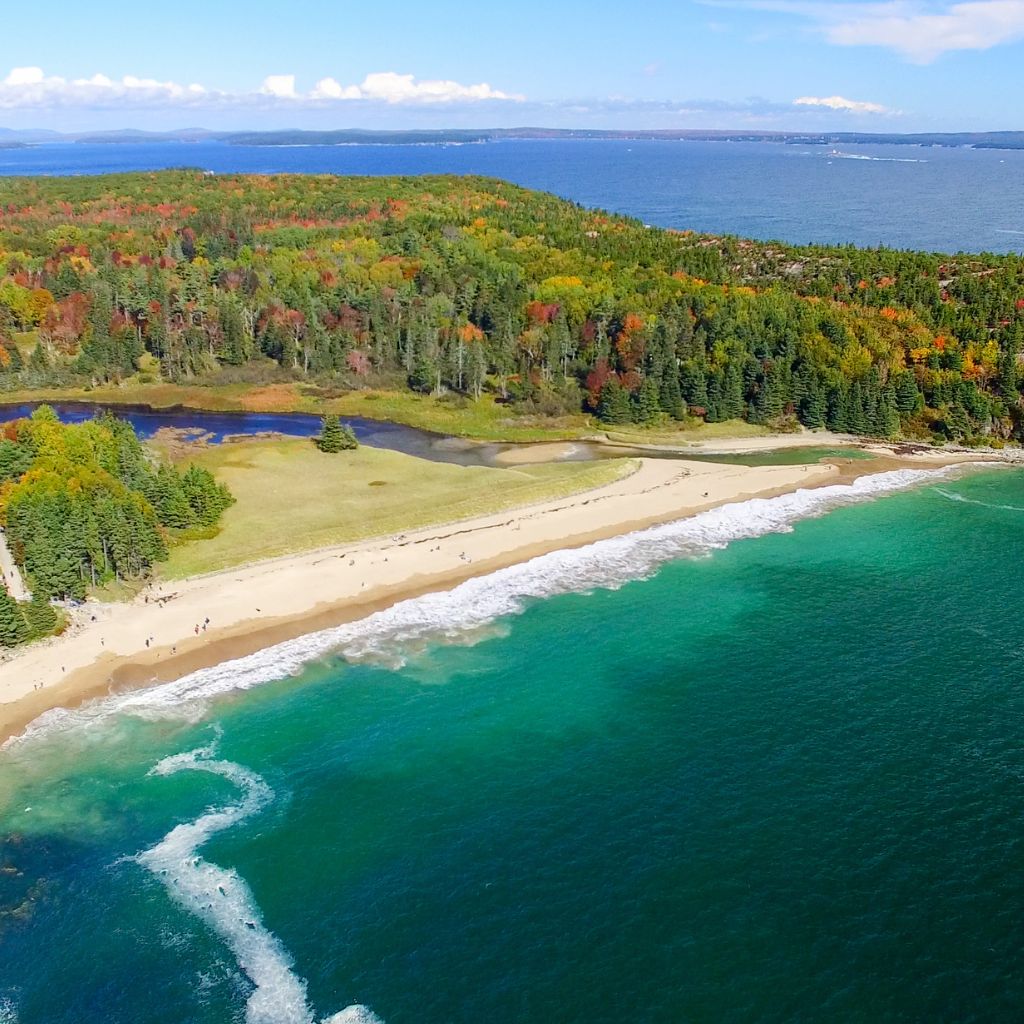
x=680, y=434
x=291, y=497
x=483, y=419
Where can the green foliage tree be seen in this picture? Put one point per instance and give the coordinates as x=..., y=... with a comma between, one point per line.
x=335, y=436
x=84, y=504
x=613, y=406
x=40, y=618
x=13, y=628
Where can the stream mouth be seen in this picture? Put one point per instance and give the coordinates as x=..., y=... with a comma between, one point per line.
x=214, y=427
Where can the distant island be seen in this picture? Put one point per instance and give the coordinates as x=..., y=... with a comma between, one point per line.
x=1009, y=140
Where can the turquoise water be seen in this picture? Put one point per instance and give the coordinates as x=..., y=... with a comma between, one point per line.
x=780, y=781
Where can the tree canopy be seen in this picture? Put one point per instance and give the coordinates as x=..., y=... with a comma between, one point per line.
x=85, y=504
x=470, y=284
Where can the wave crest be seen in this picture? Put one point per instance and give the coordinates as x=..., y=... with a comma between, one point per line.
x=222, y=899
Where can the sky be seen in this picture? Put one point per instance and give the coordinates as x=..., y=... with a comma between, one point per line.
x=801, y=65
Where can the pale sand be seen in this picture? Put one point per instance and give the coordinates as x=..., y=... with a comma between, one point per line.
x=527, y=454
x=251, y=607
x=749, y=445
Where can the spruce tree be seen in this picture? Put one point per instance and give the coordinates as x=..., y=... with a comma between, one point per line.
x=887, y=419
x=13, y=629
x=613, y=405
x=907, y=395
x=335, y=436
x=669, y=395
x=648, y=409
x=40, y=617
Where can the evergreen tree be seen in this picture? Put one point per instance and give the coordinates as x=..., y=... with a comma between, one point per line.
x=13, y=629
x=907, y=395
x=887, y=419
x=613, y=405
x=693, y=384
x=424, y=375
x=957, y=423
x=335, y=436
x=648, y=409
x=669, y=395
x=733, y=402
x=40, y=617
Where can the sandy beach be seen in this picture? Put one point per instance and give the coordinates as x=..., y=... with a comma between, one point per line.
x=177, y=627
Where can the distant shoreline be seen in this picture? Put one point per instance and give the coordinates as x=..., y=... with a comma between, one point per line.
x=1001, y=140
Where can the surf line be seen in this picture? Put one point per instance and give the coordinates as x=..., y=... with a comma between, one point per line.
x=224, y=902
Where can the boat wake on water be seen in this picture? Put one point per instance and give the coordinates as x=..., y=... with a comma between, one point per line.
x=953, y=496
x=461, y=613
x=224, y=902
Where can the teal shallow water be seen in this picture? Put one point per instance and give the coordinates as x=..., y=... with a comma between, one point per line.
x=784, y=782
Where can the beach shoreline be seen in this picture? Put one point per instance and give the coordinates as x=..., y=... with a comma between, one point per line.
x=206, y=620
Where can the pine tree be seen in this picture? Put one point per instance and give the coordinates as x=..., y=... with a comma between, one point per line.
x=40, y=617
x=887, y=419
x=957, y=422
x=423, y=377
x=13, y=629
x=648, y=409
x=613, y=405
x=693, y=384
x=335, y=436
x=669, y=395
x=733, y=402
x=907, y=395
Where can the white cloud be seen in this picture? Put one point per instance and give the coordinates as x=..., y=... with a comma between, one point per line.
x=841, y=103
x=390, y=87
x=281, y=86
x=31, y=87
x=919, y=30
x=922, y=33
x=24, y=76
x=332, y=89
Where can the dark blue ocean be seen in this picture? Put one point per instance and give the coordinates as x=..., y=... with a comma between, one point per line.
x=911, y=197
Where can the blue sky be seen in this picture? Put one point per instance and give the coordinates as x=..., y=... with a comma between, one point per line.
x=894, y=65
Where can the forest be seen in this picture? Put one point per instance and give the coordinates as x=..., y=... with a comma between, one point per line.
x=87, y=504
x=471, y=285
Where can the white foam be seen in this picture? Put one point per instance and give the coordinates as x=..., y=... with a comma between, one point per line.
x=221, y=898
x=953, y=496
x=877, y=159
x=8, y=1015
x=455, y=614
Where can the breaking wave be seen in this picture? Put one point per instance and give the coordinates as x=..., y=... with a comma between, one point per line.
x=836, y=155
x=467, y=608
x=223, y=901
